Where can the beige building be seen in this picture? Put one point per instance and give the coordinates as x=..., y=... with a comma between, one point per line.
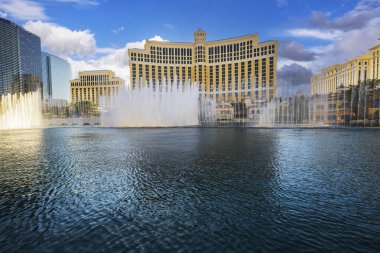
x=94, y=85
x=228, y=70
x=349, y=73
x=224, y=112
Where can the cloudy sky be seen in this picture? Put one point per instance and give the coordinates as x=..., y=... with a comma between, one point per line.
x=96, y=34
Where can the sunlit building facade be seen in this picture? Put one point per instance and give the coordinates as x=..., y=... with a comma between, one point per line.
x=20, y=59
x=350, y=73
x=229, y=70
x=95, y=85
x=56, y=76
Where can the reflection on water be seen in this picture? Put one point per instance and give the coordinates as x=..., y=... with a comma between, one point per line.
x=21, y=158
x=115, y=190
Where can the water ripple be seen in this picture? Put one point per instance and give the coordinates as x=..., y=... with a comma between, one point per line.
x=169, y=190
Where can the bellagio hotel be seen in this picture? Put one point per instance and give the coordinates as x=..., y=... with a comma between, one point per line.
x=95, y=85
x=229, y=70
x=352, y=72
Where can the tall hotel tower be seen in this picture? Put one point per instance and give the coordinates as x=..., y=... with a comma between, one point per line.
x=229, y=70
x=20, y=59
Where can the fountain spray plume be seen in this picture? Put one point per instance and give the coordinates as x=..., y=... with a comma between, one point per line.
x=21, y=110
x=167, y=104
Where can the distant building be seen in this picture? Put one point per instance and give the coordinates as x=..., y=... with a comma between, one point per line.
x=20, y=59
x=228, y=70
x=55, y=108
x=224, y=112
x=93, y=85
x=254, y=110
x=359, y=69
x=56, y=76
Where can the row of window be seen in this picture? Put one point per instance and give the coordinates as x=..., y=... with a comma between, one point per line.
x=231, y=96
x=78, y=94
x=100, y=90
x=96, y=83
x=216, y=54
x=98, y=78
x=335, y=81
x=214, y=73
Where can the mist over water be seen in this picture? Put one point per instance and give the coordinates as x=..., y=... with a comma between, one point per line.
x=147, y=107
x=176, y=105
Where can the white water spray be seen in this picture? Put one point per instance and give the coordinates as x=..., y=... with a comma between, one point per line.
x=146, y=107
x=20, y=110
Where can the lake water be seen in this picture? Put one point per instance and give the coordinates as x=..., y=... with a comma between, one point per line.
x=189, y=189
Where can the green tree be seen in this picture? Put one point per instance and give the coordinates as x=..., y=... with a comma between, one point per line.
x=85, y=108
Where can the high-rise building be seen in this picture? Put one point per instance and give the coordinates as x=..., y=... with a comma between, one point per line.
x=20, y=59
x=93, y=85
x=229, y=70
x=350, y=73
x=56, y=76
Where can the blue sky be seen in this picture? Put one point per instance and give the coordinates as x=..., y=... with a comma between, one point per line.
x=94, y=34
x=176, y=20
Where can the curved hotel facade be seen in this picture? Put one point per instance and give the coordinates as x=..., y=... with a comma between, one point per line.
x=56, y=75
x=352, y=72
x=229, y=70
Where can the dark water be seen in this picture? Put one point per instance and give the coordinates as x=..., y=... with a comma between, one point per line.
x=165, y=190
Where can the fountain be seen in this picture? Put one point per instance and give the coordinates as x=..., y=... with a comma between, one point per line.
x=20, y=110
x=172, y=104
x=168, y=106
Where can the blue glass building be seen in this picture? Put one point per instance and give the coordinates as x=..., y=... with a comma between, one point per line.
x=56, y=76
x=20, y=59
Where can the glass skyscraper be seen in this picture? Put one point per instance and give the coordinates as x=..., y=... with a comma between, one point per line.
x=20, y=59
x=56, y=76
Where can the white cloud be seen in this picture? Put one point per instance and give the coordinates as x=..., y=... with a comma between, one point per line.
x=62, y=41
x=115, y=60
x=118, y=30
x=169, y=26
x=81, y=2
x=284, y=61
x=80, y=50
x=3, y=14
x=295, y=51
x=106, y=50
x=350, y=45
x=157, y=38
x=356, y=18
x=356, y=32
x=22, y=9
x=349, y=36
x=315, y=33
x=282, y=3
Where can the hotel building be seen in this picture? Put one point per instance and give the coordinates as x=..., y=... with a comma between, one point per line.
x=56, y=76
x=94, y=85
x=229, y=70
x=352, y=72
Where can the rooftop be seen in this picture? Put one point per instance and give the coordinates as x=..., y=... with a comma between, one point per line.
x=199, y=30
x=193, y=43
x=19, y=27
x=92, y=71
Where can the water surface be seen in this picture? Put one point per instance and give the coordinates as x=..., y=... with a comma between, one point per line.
x=189, y=189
